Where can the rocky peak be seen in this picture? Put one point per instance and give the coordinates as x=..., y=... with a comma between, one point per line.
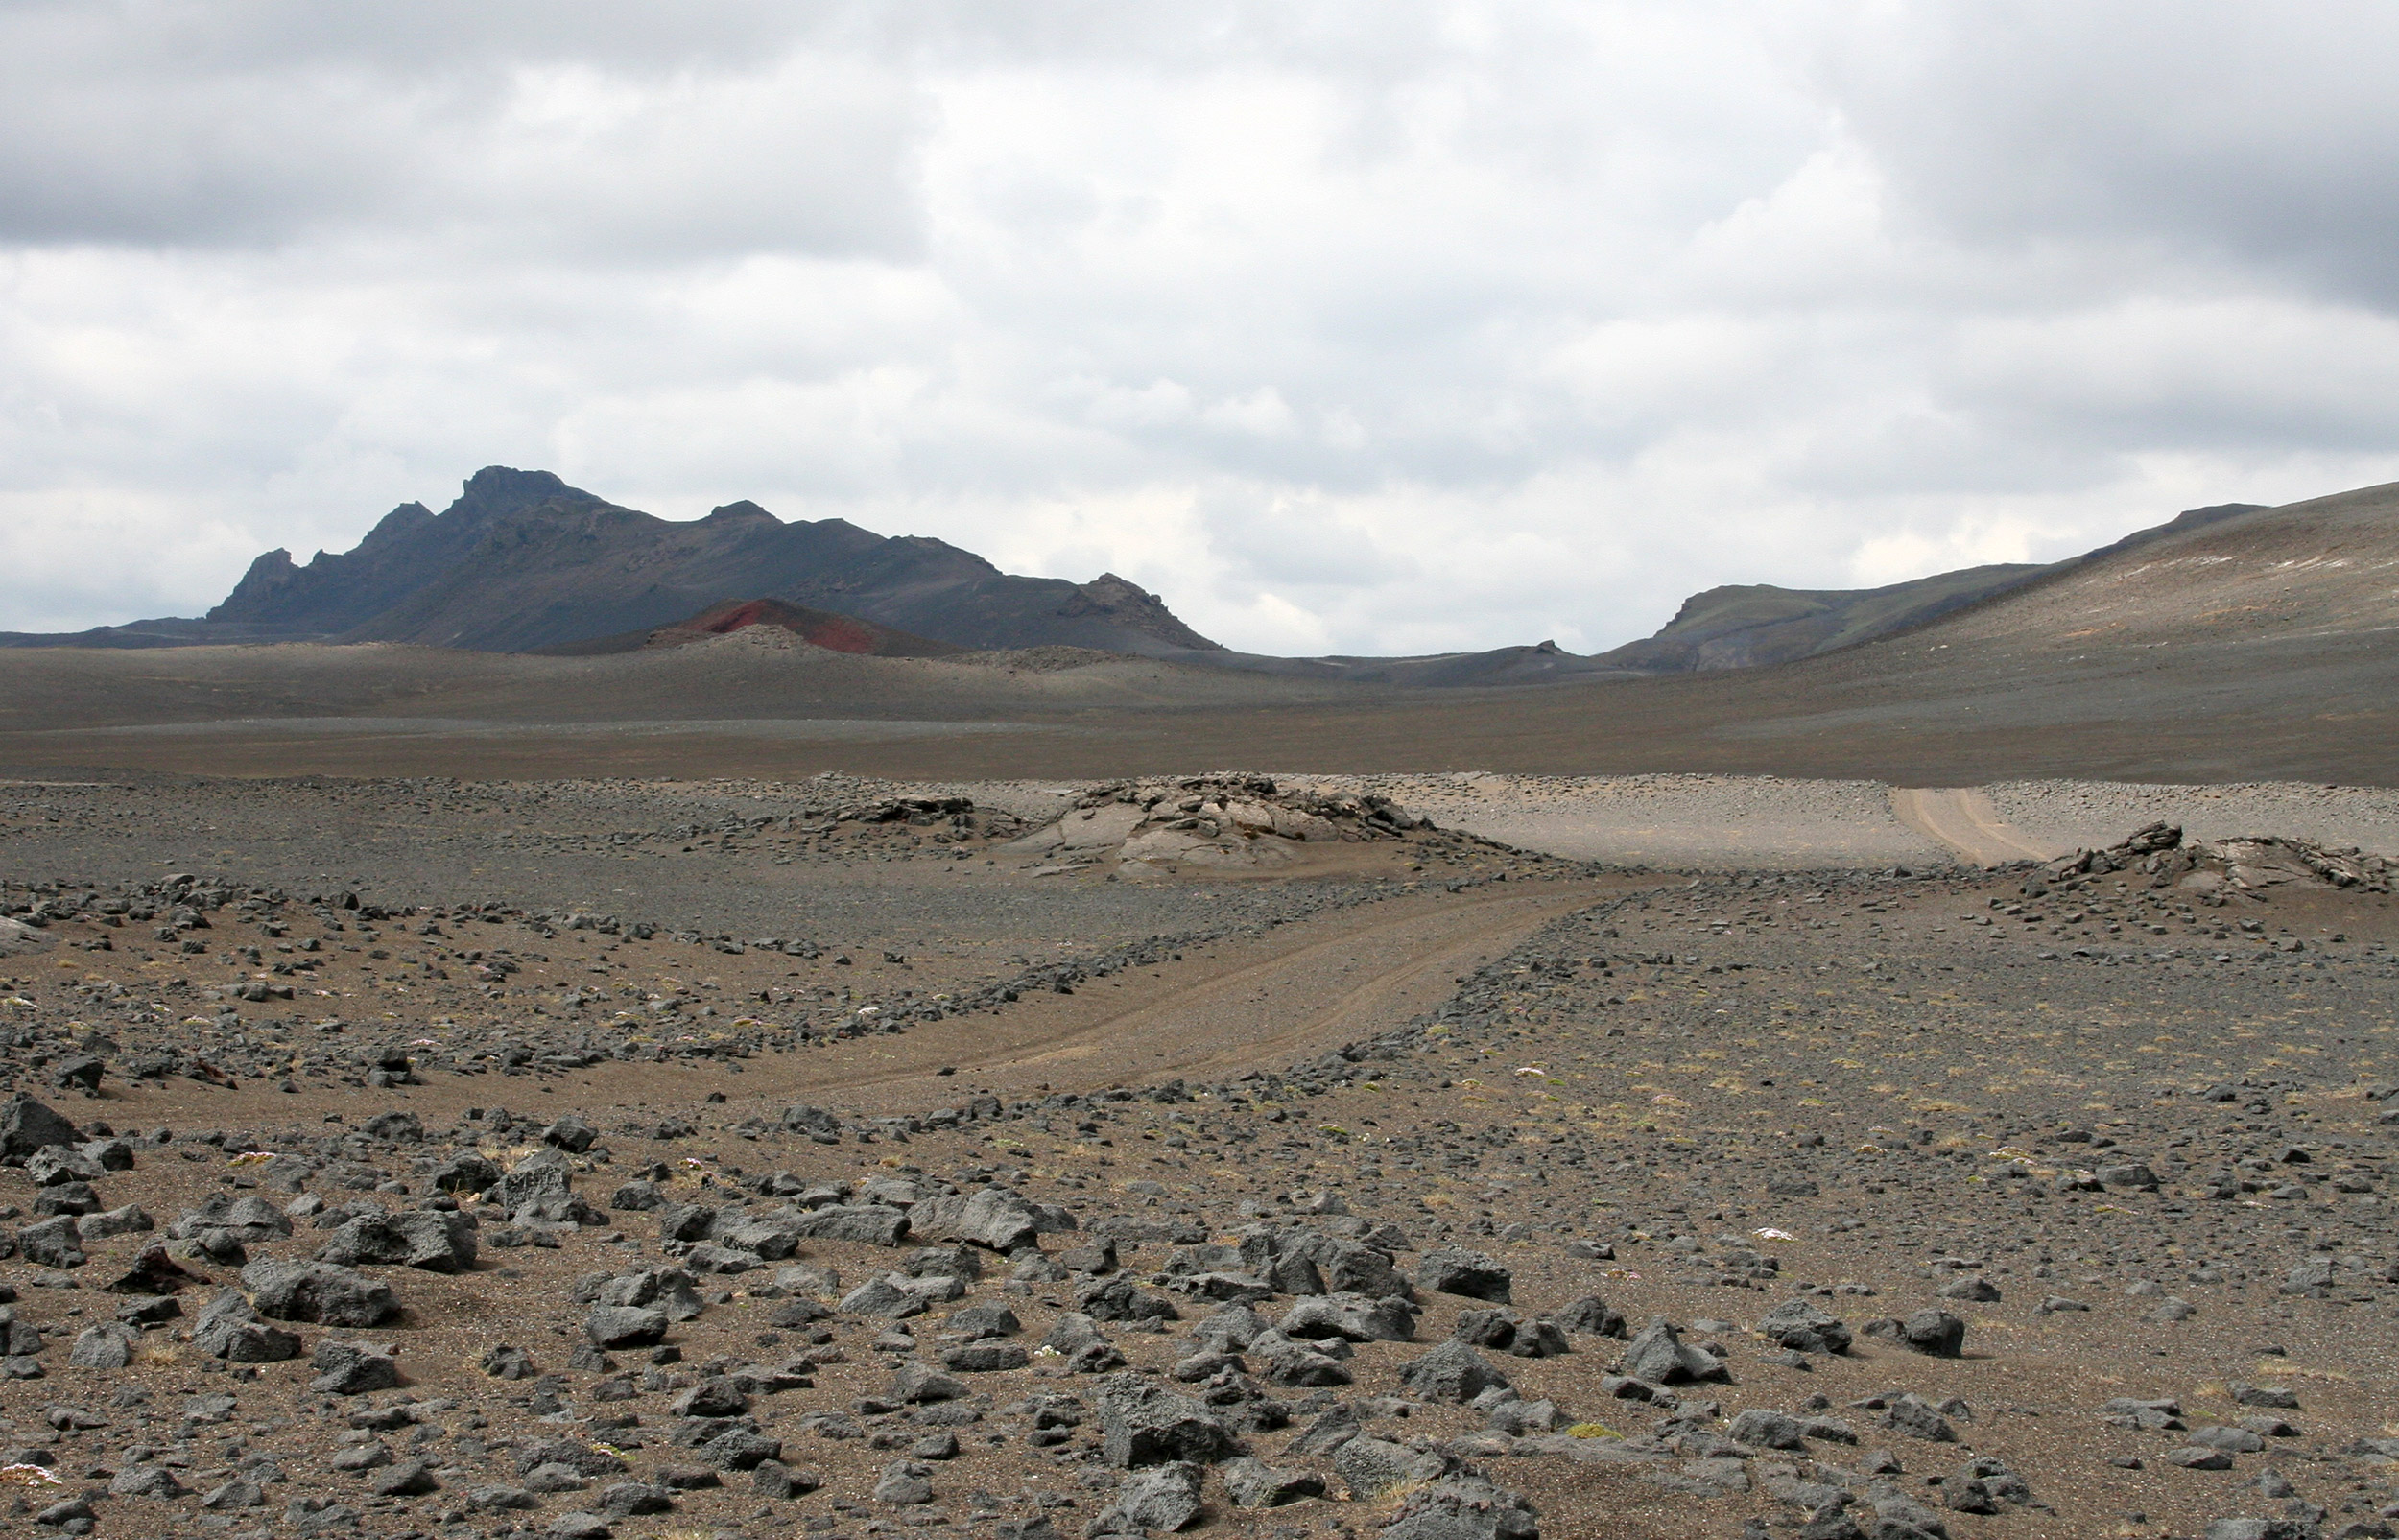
x=1131, y=605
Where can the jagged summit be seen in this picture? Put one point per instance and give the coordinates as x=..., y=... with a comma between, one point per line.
x=522, y=561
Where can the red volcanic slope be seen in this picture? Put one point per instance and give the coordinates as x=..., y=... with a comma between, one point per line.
x=819, y=627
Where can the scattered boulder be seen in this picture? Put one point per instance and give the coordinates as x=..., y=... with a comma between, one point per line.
x=429, y=1238
x=983, y=1358
x=668, y=1289
x=409, y=1478
x=106, y=1346
x=571, y=1133
x=345, y=1368
x=625, y=1326
x=26, y=1125
x=225, y=1226
x=818, y=1123
x=234, y=1495
x=543, y=1174
x=1158, y=1500
x=18, y=938
x=1918, y=1418
x=1451, y=1271
x=228, y=1327
x=904, y=1483
x=990, y=1320
x=146, y=1481
x=53, y=1165
x=1116, y=1299
x=318, y=1291
x=1463, y=1508
x=1659, y=1356
x=130, y=1219
x=52, y=1243
x=1761, y=1429
x=1299, y=1260
x=504, y=1361
x=992, y=1217
x=1452, y=1373
x=626, y=1500
x=1142, y=1423
x=1800, y=1326
x=1253, y=1483
x=1594, y=1317
x=466, y=1172
x=866, y=1224
x=1354, y=1317
x=1934, y=1332
x=1370, y=1466
x=1503, y=1331
x=155, y=1273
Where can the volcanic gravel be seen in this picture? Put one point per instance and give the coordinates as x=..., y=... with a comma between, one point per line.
x=1817, y=1203
x=2072, y=814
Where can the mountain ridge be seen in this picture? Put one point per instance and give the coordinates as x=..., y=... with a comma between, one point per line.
x=523, y=561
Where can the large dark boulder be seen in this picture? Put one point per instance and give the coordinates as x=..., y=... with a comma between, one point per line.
x=52, y=1243
x=867, y=1223
x=1142, y=1423
x=1452, y=1373
x=1659, y=1356
x=429, y=1238
x=26, y=1126
x=992, y=1217
x=352, y=1368
x=318, y=1291
x=1471, y=1274
x=1803, y=1328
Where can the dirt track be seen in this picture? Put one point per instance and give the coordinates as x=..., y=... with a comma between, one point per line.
x=1964, y=819
x=1302, y=990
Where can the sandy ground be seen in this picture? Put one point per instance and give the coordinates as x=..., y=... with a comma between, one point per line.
x=1675, y=821
x=2082, y=814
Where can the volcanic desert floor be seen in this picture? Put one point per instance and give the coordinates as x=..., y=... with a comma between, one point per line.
x=793, y=1174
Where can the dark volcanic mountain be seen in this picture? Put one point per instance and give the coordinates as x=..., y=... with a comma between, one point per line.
x=522, y=561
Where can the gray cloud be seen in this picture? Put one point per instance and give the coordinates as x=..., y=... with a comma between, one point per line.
x=2258, y=138
x=1400, y=326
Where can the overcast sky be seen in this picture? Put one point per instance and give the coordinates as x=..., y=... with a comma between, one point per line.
x=1372, y=327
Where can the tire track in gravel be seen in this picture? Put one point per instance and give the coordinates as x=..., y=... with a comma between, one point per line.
x=1964, y=821
x=1254, y=1004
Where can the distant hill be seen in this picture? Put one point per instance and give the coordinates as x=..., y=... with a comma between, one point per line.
x=1747, y=626
x=1737, y=626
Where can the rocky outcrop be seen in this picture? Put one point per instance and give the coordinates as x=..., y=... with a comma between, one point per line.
x=2246, y=866
x=1214, y=821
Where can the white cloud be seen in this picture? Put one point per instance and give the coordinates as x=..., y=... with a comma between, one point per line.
x=1397, y=327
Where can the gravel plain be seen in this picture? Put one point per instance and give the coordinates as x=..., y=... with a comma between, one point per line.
x=682, y=1159
x=2089, y=814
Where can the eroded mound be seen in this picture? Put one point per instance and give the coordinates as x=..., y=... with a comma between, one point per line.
x=1215, y=820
